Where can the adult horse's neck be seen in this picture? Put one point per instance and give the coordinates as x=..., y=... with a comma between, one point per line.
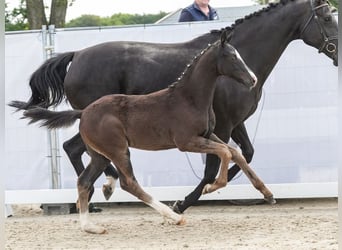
x=197, y=82
x=202, y=41
x=262, y=37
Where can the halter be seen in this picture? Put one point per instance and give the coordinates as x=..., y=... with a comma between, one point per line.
x=327, y=44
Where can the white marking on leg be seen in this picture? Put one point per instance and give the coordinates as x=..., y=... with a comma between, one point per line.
x=89, y=227
x=166, y=211
x=84, y=220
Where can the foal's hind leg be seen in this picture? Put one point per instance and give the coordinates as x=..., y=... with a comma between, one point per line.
x=74, y=149
x=85, y=184
x=129, y=183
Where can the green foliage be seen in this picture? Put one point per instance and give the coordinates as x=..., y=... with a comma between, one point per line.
x=116, y=19
x=334, y=3
x=16, y=19
x=85, y=21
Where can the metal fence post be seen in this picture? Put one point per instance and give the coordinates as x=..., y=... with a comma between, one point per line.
x=48, y=40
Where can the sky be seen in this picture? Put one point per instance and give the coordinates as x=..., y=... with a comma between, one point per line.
x=105, y=8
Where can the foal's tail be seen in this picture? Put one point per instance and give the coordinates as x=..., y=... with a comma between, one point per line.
x=46, y=83
x=52, y=119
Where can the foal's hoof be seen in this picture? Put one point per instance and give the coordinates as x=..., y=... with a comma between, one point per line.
x=94, y=229
x=107, y=191
x=206, y=189
x=181, y=222
x=270, y=200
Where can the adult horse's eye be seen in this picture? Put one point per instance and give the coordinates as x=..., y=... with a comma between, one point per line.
x=328, y=19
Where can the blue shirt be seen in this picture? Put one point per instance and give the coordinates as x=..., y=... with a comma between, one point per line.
x=194, y=13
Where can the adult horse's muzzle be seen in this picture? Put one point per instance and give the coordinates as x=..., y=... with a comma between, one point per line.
x=335, y=59
x=330, y=49
x=252, y=81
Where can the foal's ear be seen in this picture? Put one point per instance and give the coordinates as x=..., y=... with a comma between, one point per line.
x=226, y=36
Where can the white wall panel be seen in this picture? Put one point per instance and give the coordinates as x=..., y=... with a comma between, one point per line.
x=295, y=140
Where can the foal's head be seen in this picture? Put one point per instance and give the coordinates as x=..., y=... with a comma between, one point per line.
x=231, y=64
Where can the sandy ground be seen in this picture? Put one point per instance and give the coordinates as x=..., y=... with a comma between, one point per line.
x=290, y=224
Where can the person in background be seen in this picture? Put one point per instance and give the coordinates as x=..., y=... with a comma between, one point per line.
x=200, y=10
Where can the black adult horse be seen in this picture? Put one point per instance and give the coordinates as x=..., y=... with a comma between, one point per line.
x=117, y=67
x=180, y=116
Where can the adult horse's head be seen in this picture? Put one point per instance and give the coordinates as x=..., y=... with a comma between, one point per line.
x=321, y=29
x=230, y=62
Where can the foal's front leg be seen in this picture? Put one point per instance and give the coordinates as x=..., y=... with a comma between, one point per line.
x=239, y=159
x=209, y=146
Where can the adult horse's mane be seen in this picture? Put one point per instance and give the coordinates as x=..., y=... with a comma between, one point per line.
x=251, y=15
x=259, y=12
x=230, y=29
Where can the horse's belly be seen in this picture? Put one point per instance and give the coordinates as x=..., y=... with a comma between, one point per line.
x=150, y=141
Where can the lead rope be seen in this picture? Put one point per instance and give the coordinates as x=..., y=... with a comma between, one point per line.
x=253, y=140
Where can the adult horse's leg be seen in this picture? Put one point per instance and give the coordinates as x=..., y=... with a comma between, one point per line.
x=75, y=148
x=111, y=176
x=240, y=137
x=210, y=172
x=211, y=169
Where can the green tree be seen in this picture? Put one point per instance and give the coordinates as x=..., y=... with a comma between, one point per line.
x=334, y=3
x=16, y=19
x=31, y=14
x=116, y=19
x=85, y=21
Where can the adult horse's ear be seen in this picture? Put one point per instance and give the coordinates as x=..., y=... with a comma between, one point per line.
x=226, y=36
x=333, y=9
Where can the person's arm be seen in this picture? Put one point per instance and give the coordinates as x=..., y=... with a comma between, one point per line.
x=185, y=16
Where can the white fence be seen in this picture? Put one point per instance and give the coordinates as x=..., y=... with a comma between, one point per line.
x=294, y=130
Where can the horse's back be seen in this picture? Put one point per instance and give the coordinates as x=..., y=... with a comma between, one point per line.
x=123, y=67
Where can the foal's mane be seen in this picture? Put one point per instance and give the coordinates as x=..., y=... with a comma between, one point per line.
x=189, y=66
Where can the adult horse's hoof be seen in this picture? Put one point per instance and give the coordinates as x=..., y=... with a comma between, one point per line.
x=107, y=191
x=175, y=207
x=93, y=209
x=108, y=188
x=270, y=200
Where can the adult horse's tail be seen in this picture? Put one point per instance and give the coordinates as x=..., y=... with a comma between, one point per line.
x=52, y=119
x=47, y=83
